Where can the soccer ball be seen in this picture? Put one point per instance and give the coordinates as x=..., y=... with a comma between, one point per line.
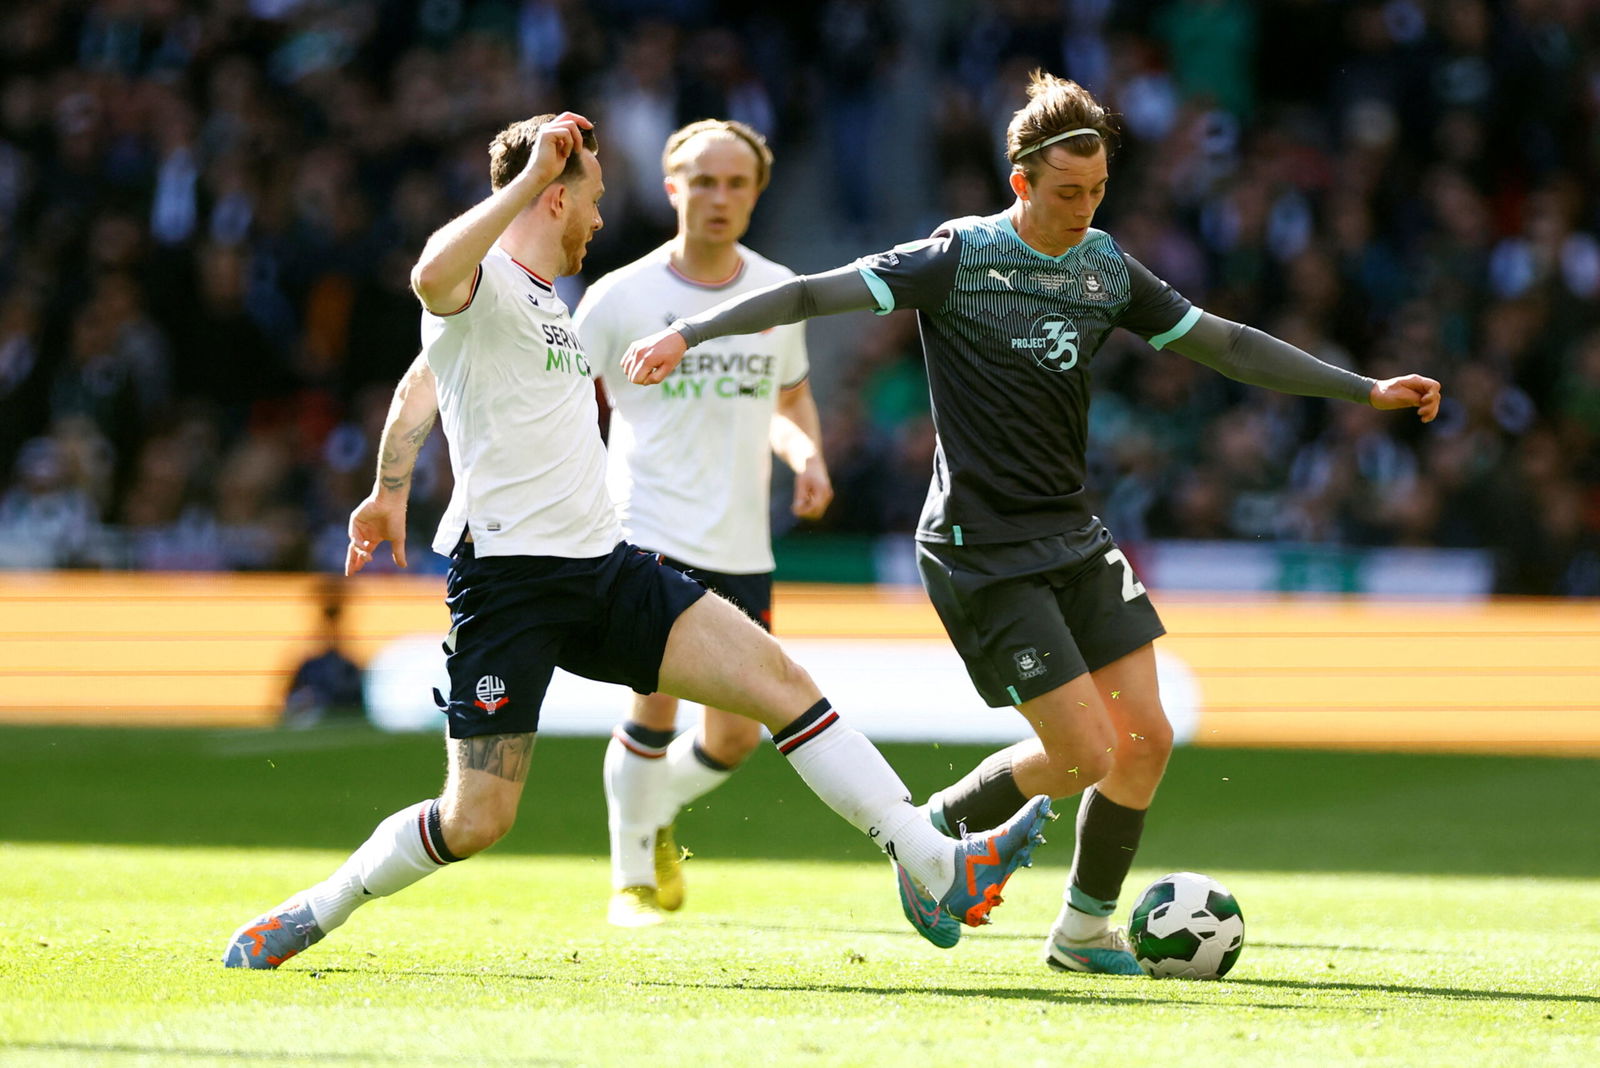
x=1186, y=926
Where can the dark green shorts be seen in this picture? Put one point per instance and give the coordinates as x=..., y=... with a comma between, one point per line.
x=1029, y=616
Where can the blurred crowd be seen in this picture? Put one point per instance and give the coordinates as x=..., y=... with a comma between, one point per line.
x=208, y=211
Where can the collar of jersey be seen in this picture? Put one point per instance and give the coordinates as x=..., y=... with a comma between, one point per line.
x=686, y=280
x=543, y=285
x=1088, y=238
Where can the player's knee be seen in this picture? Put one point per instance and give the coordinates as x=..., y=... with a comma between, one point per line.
x=658, y=711
x=1156, y=740
x=1091, y=767
x=1071, y=774
x=1146, y=749
x=792, y=675
x=472, y=829
x=732, y=749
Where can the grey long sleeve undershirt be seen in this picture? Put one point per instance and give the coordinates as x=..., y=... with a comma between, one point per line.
x=804, y=296
x=1247, y=355
x=1242, y=353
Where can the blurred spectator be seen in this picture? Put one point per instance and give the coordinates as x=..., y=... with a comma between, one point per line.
x=326, y=687
x=857, y=50
x=208, y=213
x=47, y=516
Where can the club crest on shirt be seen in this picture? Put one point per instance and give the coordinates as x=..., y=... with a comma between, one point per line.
x=491, y=691
x=1094, y=288
x=1029, y=663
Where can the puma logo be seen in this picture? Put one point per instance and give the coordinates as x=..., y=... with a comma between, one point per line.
x=1003, y=278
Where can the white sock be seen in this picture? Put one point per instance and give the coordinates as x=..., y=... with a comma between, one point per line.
x=635, y=777
x=1083, y=918
x=688, y=777
x=400, y=851
x=1077, y=926
x=848, y=773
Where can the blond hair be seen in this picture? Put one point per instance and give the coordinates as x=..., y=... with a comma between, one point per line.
x=674, y=155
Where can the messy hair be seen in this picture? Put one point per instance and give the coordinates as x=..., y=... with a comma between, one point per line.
x=511, y=147
x=1055, y=106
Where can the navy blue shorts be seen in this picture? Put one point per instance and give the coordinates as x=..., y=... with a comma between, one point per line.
x=1029, y=616
x=750, y=594
x=515, y=619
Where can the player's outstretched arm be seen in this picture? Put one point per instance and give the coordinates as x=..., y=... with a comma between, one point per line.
x=652, y=359
x=1407, y=391
x=442, y=277
x=382, y=516
x=1248, y=355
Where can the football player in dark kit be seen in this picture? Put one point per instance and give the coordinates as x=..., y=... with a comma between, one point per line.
x=1044, y=608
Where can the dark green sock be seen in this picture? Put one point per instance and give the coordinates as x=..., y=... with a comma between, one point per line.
x=1108, y=838
x=984, y=799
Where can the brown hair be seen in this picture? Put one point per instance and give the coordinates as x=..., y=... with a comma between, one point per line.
x=731, y=127
x=1055, y=105
x=511, y=147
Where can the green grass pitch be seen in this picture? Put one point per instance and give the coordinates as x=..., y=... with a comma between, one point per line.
x=1400, y=910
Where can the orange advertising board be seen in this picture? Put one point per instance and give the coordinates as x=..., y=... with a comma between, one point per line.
x=1507, y=675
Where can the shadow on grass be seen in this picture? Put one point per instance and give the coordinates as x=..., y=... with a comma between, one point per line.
x=1161, y=992
x=1325, y=947
x=219, y=1055
x=682, y=985
x=1446, y=992
x=1243, y=809
x=1346, y=947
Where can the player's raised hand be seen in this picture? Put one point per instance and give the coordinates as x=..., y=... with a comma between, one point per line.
x=1407, y=391
x=375, y=521
x=813, y=490
x=650, y=360
x=556, y=141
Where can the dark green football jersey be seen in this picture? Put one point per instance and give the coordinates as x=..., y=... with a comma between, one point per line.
x=1009, y=336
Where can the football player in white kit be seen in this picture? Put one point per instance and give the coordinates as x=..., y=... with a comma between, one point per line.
x=540, y=576
x=691, y=472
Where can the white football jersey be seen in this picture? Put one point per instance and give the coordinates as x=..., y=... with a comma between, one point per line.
x=516, y=400
x=691, y=457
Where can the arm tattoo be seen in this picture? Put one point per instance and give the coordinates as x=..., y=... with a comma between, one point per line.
x=419, y=433
x=399, y=455
x=504, y=755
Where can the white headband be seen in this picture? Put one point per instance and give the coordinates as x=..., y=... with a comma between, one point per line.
x=1048, y=141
